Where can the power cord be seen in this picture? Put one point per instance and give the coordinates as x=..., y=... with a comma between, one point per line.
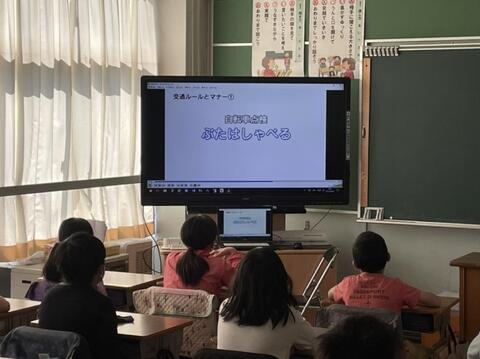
x=155, y=245
x=321, y=219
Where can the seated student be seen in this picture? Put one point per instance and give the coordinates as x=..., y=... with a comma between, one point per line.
x=51, y=276
x=361, y=337
x=200, y=267
x=260, y=316
x=75, y=305
x=4, y=305
x=371, y=288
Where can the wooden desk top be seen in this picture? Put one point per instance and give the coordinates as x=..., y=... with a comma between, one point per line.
x=145, y=326
x=18, y=306
x=150, y=326
x=471, y=260
x=132, y=281
x=446, y=304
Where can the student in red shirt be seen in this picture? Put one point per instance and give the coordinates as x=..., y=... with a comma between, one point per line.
x=201, y=267
x=371, y=288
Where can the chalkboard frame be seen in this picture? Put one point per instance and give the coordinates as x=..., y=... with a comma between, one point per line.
x=451, y=47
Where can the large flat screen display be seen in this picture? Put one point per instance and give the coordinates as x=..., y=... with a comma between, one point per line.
x=211, y=141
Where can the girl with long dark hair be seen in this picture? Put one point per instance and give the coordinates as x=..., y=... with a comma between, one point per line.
x=260, y=316
x=51, y=273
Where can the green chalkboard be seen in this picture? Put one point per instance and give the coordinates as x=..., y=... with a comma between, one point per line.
x=421, y=18
x=425, y=136
x=232, y=21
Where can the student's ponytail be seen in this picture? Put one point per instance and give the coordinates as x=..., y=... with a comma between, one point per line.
x=198, y=232
x=191, y=268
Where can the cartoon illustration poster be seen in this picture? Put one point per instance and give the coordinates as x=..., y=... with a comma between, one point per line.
x=278, y=38
x=336, y=37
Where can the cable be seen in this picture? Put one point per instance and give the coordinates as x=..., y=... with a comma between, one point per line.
x=154, y=240
x=321, y=219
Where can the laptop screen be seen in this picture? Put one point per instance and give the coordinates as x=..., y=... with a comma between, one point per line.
x=245, y=224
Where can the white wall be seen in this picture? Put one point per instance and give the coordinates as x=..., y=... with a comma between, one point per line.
x=169, y=219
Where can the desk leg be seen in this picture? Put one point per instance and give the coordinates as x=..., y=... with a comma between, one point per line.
x=129, y=299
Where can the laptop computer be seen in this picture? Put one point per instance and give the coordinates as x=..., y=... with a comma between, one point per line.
x=245, y=227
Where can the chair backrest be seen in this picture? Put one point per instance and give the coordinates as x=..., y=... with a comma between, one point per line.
x=197, y=305
x=334, y=313
x=30, y=343
x=209, y=353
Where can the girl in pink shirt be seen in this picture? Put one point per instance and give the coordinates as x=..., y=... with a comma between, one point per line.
x=201, y=267
x=371, y=288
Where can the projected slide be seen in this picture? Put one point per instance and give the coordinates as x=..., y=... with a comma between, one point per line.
x=246, y=135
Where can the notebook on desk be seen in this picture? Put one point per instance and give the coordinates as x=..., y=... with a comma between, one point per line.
x=245, y=228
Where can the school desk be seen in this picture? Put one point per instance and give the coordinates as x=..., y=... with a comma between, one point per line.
x=121, y=285
x=469, y=267
x=149, y=333
x=429, y=326
x=21, y=312
x=15, y=281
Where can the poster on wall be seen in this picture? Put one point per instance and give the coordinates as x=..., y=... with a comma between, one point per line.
x=335, y=38
x=278, y=38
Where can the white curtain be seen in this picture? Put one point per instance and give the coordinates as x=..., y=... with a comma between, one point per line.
x=70, y=109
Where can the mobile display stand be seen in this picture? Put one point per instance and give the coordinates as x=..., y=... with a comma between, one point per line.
x=328, y=258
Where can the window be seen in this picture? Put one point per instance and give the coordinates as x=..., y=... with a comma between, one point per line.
x=69, y=113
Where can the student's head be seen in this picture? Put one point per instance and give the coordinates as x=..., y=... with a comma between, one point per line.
x=73, y=225
x=68, y=227
x=198, y=232
x=81, y=259
x=370, y=252
x=361, y=337
x=262, y=290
